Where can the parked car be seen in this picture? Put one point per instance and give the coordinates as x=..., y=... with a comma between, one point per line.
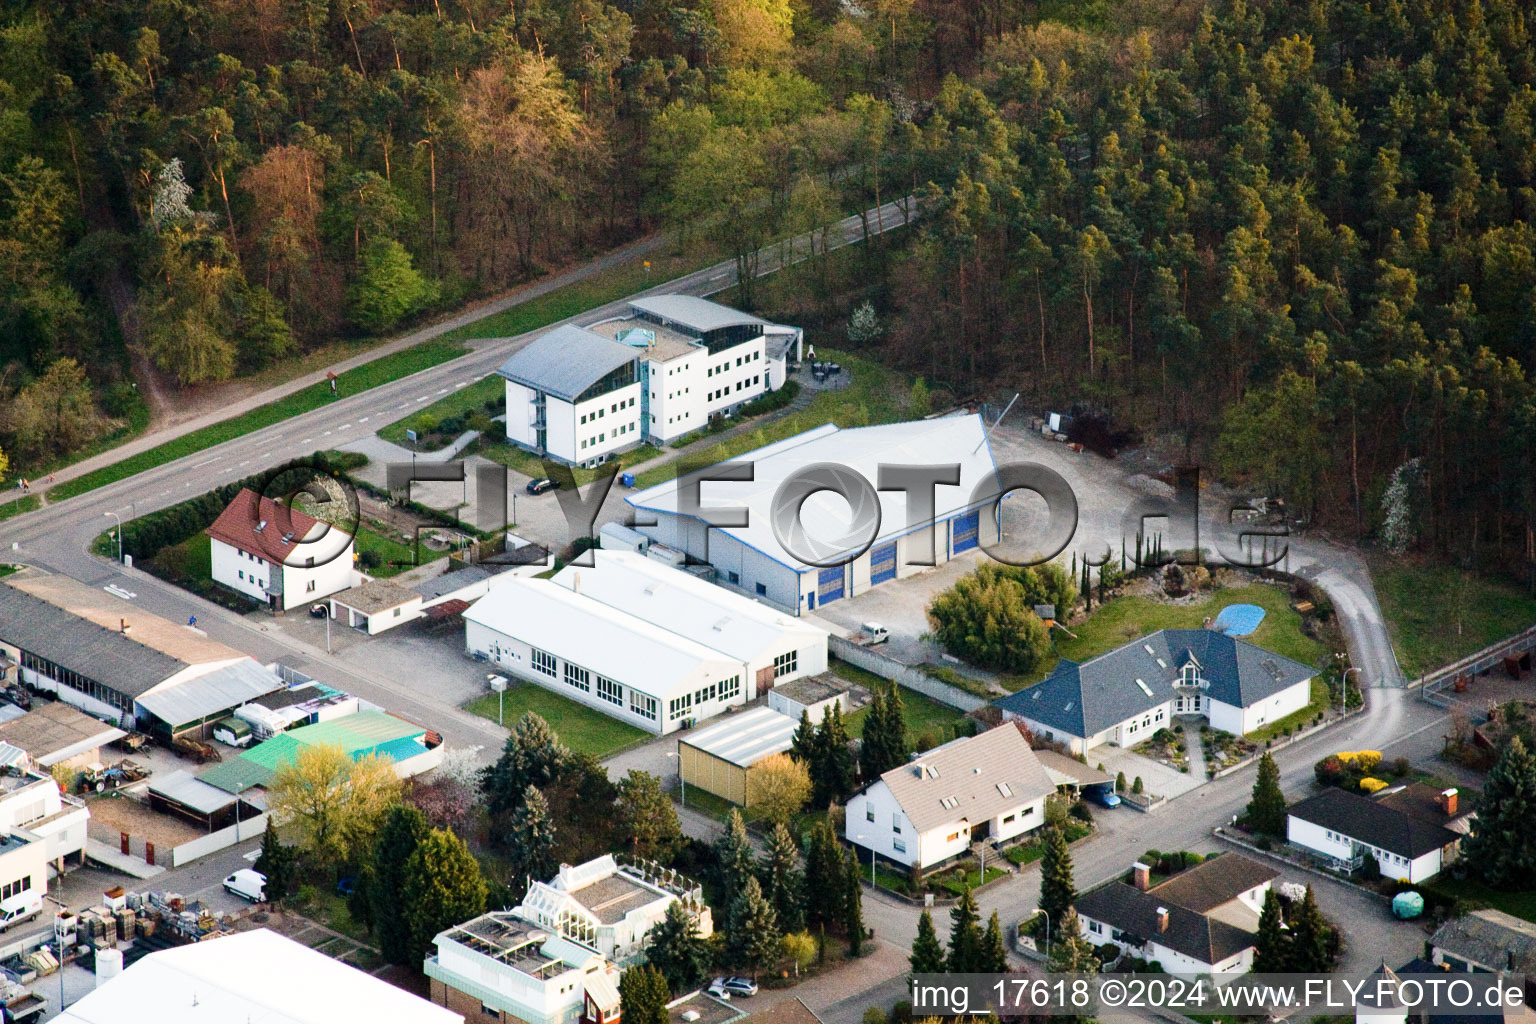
x=21, y=907
x=718, y=990
x=543, y=484
x=319, y=611
x=1103, y=796
x=248, y=884
x=739, y=986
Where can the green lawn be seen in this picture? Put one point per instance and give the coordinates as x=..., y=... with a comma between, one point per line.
x=583, y=729
x=1126, y=618
x=369, y=375
x=25, y=503
x=922, y=714
x=521, y=460
x=192, y=558
x=1477, y=894
x=1438, y=614
x=6, y=569
x=875, y=394
x=397, y=557
x=462, y=402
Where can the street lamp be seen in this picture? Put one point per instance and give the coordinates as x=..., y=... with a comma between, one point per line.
x=1047, y=917
x=1344, y=684
x=119, y=519
x=871, y=859
x=682, y=783
x=499, y=684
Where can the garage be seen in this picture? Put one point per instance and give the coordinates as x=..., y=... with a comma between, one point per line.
x=882, y=563
x=965, y=529
x=829, y=585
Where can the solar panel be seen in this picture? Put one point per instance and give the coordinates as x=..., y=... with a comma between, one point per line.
x=1269, y=665
x=1144, y=687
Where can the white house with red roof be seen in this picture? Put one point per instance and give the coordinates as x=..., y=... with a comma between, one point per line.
x=278, y=555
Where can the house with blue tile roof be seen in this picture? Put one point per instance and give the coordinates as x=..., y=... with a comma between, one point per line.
x=1124, y=696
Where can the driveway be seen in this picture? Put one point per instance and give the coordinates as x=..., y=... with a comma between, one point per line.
x=1158, y=778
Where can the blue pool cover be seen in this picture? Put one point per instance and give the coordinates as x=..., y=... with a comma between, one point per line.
x=1239, y=619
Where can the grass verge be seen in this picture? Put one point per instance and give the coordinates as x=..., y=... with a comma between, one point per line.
x=22, y=505
x=583, y=729
x=464, y=401
x=1438, y=614
x=362, y=378
x=520, y=460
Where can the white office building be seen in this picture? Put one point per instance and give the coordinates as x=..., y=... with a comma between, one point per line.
x=581, y=394
x=648, y=644
x=754, y=559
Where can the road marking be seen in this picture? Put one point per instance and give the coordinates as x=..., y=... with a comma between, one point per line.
x=461, y=384
x=328, y=433
x=423, y=398
x=442, y=391
x=246, y=462
x=306, y=440
x=264, y=455
x=205, y=462
x=344, y=426
x=362, y=419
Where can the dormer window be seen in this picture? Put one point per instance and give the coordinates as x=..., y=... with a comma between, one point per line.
x=1189, y=676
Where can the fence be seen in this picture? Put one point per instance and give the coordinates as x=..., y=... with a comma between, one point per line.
x=1437, y=683
x=223, y=838
x=905, y=675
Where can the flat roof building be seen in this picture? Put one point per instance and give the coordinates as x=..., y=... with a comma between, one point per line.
x=612, y=906
x=719, y=759
x=409, y=746
x=674, y=650
x=754, y=559
x=57, y=734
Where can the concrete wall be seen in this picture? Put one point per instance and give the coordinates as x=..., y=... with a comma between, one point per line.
x=913, y=679
x=224, y=838
x=1272, y=709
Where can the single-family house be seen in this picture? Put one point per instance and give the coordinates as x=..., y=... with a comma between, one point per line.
x=1124, y=696
x=1411, y=831
x=984, y=788
x=278, y=555
x=1203, y=920
x=612, y=906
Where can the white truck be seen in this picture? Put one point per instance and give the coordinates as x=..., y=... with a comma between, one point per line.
x=248, y=885
x=22, y=907
x=870, y=634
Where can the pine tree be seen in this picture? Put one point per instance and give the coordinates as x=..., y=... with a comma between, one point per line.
x=403, y=830
x=676, y=949
x=643, y=996
x=753, y=938
x=823, y=878
x=1502, y=845
x=532, y=756
x=733, y=862
x=885, y=734
x=927, y=955
x=1070, y=952
x=442, y=887
x=802, y=745
x=1310, y=938
x=1271, y=953
x=853, y=907
x=994, y=952
x=1266, y=811
x=783, y=883
x=965, y=951
x=1057, y=892
x=276, y=864
x=832, y=764
x=531, y=840
x=647, y=820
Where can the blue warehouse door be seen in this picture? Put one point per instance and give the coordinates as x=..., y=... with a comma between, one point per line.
x=882, y=564
x=829, y=585
x=965, y=528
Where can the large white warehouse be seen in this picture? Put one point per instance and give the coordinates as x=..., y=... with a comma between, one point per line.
x=753, y=559
x=648, y=644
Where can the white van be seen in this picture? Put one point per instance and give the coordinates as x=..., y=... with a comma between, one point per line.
x=22, y=907
x=248, y=885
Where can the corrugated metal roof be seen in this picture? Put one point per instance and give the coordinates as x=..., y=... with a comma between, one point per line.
x=184, y=788
x=56, y=732
x=107, y=656
x=693, y=312
x=364, y=733
x=747, y=738
x=223, y=689
x=566, y=361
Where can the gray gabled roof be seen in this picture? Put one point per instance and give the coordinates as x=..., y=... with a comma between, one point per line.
x=107, y=656
x=1209, y=940
x=1085, y=699
x=977, y=777
x=1374, y=823
x=566, y=361
x=692, y=312
x=221, y=690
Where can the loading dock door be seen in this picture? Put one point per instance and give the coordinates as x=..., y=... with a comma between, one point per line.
x=965, y=529
x=882, y=564
x=829, y=585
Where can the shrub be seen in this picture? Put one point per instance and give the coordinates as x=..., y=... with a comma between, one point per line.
x=1401, y=767
x=1371, y=785
x=1081, y=812
x=1120, y=782
x=370, y=559
x=1136, y=786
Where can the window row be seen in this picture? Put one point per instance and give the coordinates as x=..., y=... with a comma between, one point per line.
x=15, y=888
x=786, y=663
x=75, y=681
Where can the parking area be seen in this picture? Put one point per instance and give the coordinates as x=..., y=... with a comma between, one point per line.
x=1159, y=779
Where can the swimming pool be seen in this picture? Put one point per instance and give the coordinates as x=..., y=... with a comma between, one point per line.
x=1239, y=619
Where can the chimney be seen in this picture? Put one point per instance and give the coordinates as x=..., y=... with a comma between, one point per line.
x=1162, y=920
x=1448, y=802
x=1141, y=876
x=576, y=583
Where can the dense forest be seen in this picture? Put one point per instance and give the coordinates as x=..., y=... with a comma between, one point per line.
x=1294, y=237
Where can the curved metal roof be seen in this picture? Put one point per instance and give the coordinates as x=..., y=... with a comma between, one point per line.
x=566, y=361
x=693, y=312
